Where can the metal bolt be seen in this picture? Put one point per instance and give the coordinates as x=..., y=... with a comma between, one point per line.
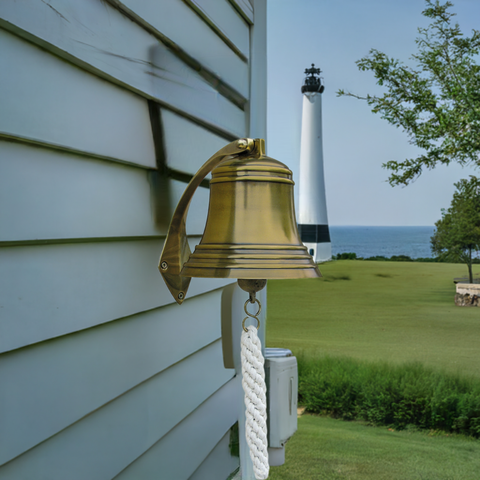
x=243, y=144
x=181, y=295
x=164, y=265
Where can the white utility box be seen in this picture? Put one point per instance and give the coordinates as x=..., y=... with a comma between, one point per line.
x=281, y=376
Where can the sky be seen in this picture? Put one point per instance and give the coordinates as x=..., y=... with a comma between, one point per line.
x=333, y=34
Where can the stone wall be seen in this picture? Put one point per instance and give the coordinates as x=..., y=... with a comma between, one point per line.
x=468, y=295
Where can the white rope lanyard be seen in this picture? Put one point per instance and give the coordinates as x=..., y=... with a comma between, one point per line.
x=253, y=383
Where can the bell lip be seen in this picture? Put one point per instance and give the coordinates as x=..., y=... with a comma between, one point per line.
x=252, y=273
x=250, y=261
x=251, y=246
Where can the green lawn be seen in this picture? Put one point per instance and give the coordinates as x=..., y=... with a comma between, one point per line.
x=328, y=449
x=394, y=311
x=390, y=311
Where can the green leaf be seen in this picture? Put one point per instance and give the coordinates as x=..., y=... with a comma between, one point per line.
x=437, y=101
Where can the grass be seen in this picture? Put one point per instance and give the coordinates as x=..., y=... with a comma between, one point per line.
x=328, y=449
x=389, y=311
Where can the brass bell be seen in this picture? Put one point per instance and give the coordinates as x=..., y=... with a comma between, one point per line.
x=251, y=231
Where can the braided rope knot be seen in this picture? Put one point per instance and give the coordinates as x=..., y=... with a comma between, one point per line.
x=253, y=383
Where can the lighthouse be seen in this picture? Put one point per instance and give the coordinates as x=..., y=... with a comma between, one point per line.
x=313, y=220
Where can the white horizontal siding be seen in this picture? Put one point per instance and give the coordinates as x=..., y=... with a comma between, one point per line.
x=51, y=290
x=226, y=20
x=49, y=195
x=219, y=464
x=48, y=100
x=75, y=369
x=179, y=454
x=102, y=444
x=173, y=18
x=180, y=87
x=115, y=379
x=188, y=156
x=244, y=7
x=100, y=39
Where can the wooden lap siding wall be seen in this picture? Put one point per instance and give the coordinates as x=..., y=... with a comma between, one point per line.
x=107, y=108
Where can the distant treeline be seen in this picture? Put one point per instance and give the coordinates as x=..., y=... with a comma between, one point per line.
x=394, y=258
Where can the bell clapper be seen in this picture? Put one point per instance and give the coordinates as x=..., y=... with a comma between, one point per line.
x=252, y=287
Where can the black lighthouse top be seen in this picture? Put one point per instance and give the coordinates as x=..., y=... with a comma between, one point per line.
x=312, y=80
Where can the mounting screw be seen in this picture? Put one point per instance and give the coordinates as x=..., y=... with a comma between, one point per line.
x=164, y=265
x=181, y=295
x=243, y=144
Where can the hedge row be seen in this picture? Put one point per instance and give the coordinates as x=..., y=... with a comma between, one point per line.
x=384, y=394
x=395, y=258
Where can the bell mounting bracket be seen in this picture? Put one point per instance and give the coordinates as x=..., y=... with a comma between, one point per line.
x=176, y=250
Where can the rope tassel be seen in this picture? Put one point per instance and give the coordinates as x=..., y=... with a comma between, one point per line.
x=253, y=383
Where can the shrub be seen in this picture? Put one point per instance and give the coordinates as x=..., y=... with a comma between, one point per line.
x=393, y=395
x=393, y=258
x=345, y=256
x=378, y=258
x=401, y=258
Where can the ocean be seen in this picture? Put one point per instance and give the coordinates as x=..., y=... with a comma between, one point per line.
x=387, y=241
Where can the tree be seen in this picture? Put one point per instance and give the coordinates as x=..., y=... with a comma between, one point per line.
x=457, y=234
x=437, y=103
